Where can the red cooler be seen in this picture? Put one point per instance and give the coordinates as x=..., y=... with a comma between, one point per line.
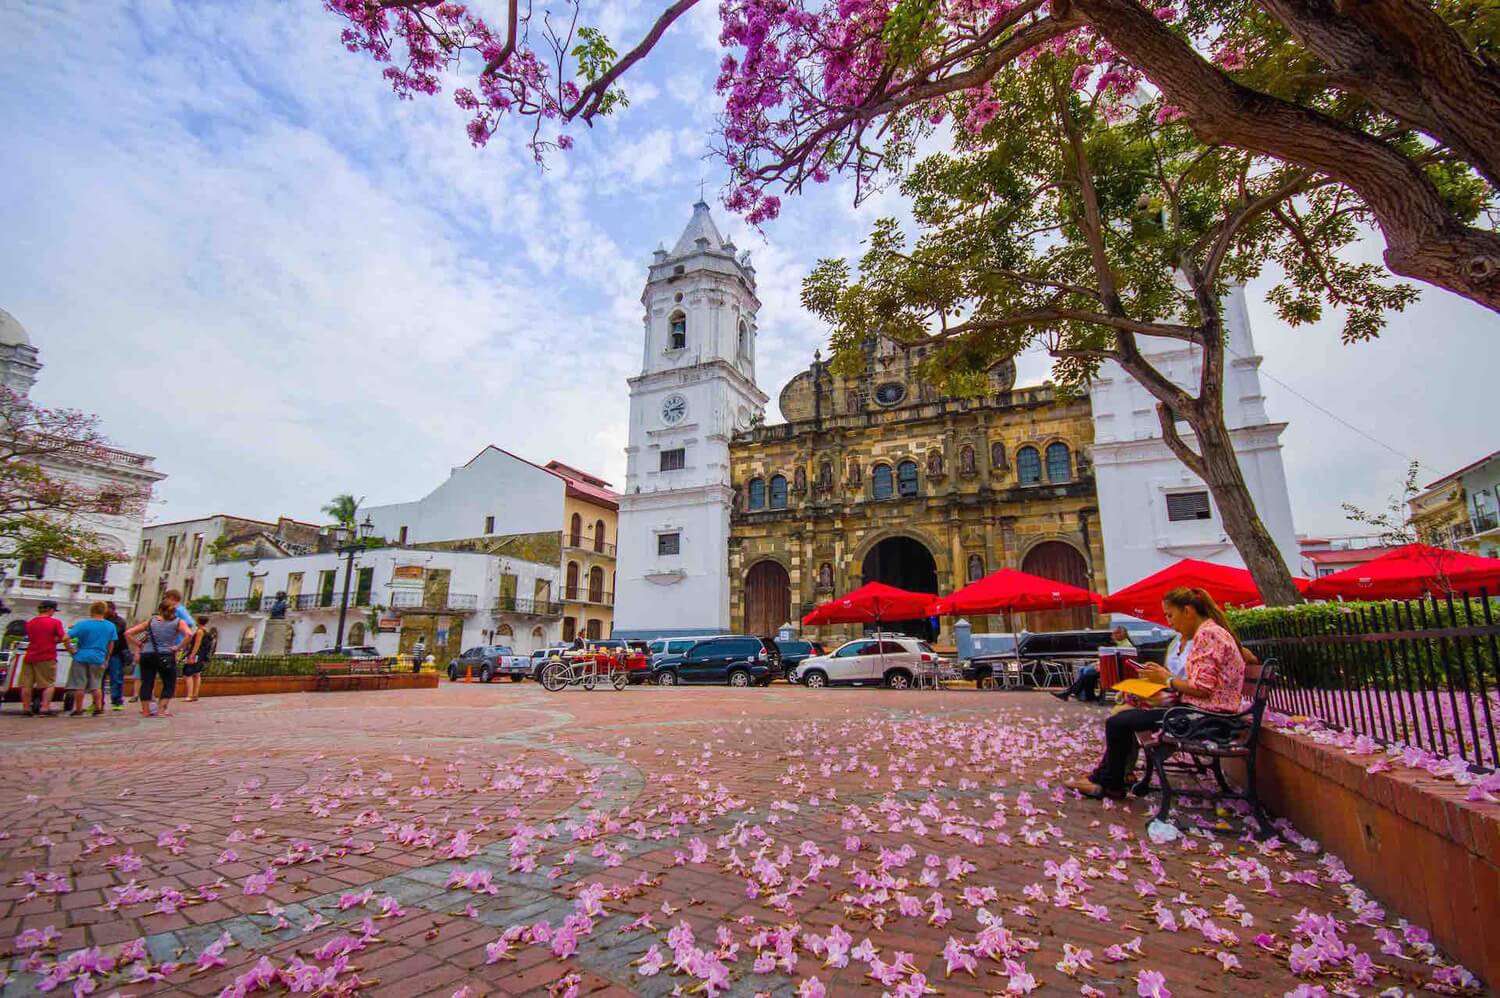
x=1116, y=664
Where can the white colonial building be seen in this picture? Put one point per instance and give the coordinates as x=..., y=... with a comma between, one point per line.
x=25, y=584
x=696, y=387
x=1152, y=510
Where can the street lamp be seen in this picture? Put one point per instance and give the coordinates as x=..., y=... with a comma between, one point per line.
x=349, y=550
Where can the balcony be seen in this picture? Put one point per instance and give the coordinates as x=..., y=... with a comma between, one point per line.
x=578, y=542
x=595, y=597
x=1480, y=523
x=304, y=601
x=524, y=607
x=435, y=602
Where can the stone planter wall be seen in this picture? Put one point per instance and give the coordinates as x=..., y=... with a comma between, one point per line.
x=1409, y=838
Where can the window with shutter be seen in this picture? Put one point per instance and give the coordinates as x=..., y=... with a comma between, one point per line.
x=1188, y=506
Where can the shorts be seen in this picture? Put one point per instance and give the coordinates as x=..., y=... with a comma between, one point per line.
x=191, y=669
x=39, y=673
x=86, y=676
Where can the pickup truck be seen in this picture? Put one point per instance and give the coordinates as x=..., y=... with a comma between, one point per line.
x=489, y=661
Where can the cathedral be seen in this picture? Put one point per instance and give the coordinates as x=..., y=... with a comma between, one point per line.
x=732, y=525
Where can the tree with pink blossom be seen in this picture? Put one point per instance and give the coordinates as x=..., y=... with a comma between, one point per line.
x=1395, y=100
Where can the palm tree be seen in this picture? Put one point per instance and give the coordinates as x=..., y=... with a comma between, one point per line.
x=343, y=509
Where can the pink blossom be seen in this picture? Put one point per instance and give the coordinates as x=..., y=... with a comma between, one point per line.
x=1151, y=984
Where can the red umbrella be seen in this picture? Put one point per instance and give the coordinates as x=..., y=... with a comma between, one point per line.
x=871, y=603
x=1008, y=590
x=1224, y=583
x=1410, y=572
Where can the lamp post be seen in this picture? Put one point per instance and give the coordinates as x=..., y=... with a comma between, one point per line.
x=349, y=550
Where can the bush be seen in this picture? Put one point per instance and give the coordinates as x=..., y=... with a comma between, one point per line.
x=264, y=665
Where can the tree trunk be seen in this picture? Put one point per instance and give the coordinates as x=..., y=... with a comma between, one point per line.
x=1216, y=464
x=1424, y=239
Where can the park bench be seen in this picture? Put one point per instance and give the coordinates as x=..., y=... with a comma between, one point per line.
x=1196, y=741
x=353, y=674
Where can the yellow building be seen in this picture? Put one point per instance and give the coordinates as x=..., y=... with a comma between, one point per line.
x=591, y=514
x=879, y=478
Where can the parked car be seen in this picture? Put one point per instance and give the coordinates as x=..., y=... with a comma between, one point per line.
x=1070, y=649
x=676, y=646
x=739, y=660
x=989, y=651
x=542, y=656
x=794, y=653
x=489, y=661
x=889, y=660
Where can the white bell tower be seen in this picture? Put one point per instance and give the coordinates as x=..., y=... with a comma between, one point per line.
x=696, y=387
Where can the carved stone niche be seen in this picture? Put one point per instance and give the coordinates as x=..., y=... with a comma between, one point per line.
x=799, y=481
x=967, y=463
x=935, y=464
x=856, y=474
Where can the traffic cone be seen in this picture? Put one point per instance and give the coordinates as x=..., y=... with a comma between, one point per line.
x=469, y=672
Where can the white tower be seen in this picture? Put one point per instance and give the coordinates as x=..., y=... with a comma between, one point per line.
x=696, y=387
x=1152, y=510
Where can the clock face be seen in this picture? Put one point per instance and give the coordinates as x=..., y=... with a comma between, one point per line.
x=673, y=409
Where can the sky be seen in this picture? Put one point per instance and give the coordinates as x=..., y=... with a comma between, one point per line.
x=229, y=240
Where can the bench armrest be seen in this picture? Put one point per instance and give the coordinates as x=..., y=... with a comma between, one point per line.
x=1194, y=724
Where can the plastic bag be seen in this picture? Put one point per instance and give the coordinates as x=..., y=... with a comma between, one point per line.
x=1162, y=832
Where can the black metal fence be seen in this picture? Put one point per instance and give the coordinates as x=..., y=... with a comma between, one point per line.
x=1420, y=672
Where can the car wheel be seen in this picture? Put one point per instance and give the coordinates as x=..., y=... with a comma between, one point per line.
x=452, y=673
x=815, y=680
x=485, y=674
x=666, y=678
x=739, y=677
x=898, y=679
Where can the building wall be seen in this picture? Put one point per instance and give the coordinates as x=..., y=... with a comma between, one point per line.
x=1481, y=487
x=1136, y=472
x=522, y=497
x=584, y=609
x=959, y=512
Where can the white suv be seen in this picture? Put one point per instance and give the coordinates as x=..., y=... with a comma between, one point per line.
x=890, y=660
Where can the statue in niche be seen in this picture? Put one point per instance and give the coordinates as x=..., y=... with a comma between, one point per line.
x=934, y=464
x=825, y=576
x=799, y=481
x=855, y=475
x=997, y=455
x=966, y=460
x=825, y=475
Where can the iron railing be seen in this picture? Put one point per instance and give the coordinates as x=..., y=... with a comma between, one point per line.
x=1480, y=522
x=1416, y=672
x=303, y=601
x=458, y=602
x=582, y=543
x=582, y=594
x=528, y=607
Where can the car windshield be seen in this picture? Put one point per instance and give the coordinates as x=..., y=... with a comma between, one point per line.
x=925, y=648
x=657, y=647
x=851, y=649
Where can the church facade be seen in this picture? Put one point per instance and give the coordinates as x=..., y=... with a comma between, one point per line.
x=879, y=478
x=731, y=525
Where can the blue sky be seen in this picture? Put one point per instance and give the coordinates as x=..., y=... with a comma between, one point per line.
x=228, y=239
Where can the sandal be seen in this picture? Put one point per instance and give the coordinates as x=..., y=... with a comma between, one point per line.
x=1094, y=791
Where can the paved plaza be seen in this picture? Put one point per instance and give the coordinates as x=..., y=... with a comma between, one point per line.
x=700, y=841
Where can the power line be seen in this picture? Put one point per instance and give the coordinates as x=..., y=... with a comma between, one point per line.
x=1331, y=415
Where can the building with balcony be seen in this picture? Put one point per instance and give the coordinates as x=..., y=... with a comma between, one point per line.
x=591, y=516
x=397, y=597
x=26, y=583
x=178, y=555
x=1461, y=510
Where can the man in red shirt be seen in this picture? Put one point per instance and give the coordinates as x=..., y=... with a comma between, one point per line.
x=44, y=633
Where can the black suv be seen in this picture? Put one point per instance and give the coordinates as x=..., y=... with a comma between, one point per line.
x=738, y=660
x=794, y=653
x=1076, y=647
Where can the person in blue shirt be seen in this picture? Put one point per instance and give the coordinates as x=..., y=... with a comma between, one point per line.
x=95, y=640
x=175, y=598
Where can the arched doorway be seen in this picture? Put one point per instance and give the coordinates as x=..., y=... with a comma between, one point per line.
x=768, y=598
x=1061, y=563
x=905, y=563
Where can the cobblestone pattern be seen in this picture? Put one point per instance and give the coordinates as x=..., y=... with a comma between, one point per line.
x=701, y=807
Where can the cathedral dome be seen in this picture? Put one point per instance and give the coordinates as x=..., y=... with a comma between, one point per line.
x=12, y=333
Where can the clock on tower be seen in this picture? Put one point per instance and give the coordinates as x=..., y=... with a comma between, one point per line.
x=673, y=409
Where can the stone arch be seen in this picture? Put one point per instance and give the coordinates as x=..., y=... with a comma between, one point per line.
x=356, y=634
x=932, y=544
x=768, y=597
x=903, y=561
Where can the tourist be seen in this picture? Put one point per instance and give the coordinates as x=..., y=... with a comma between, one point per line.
x=1215, y=675
x=44, y=633
x=205, y=640
x=1086, y=686
x=95, y=640
x=165, y=633
x=181, y=612
x=418, y=655
x=118, y=656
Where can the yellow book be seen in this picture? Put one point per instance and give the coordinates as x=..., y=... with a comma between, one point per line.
x=1145, y=689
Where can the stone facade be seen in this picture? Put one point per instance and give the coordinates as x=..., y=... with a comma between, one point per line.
x=978, y=484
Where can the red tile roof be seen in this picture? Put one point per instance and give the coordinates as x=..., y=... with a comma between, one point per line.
x=1344, y=556
x=582, y=485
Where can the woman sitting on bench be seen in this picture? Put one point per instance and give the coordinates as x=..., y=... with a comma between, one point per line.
x=1215, y=675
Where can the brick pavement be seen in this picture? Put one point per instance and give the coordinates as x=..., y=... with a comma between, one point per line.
x=775, y=840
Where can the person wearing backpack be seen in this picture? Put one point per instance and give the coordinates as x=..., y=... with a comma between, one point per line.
x=156, y=653
x=205, y=640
